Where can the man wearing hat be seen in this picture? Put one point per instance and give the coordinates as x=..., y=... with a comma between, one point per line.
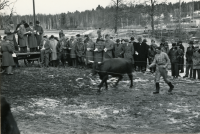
x=53, y=47
x=141, y=55
x=151, y=54
x=61, y=34
x=32, y=41
x=22, y=37
x=189, y=62
x=196, y=62
x=98, y=51
x=173, y=54
x=72, y=49
x=161, y=62
x=39, y=33
x=109, y=45
x=118, y=50
x=80, y=52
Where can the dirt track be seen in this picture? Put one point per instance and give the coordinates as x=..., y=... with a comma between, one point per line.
x=59, y=100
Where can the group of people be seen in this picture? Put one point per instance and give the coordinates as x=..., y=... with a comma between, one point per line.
x=28, y=36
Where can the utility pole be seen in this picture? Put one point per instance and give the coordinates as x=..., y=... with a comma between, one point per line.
x=192, y=10
x=34, y=12
x=179, y=19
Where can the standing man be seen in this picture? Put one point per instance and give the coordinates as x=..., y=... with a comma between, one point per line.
x=181, y=58
x=189, y=62
x=99, y=33
x=128, y=51
x=118, y=49
x=141, y=52
x=196, y=62
x=72, y=50
x=32, y=41
x=45, y=51
x=173, y=56
x=39, y=33
x=151, y=54
x=22, y=38
x=89, y=46
x=80, y=52
x=61, y=33
x=109, y=45
x=161, y=61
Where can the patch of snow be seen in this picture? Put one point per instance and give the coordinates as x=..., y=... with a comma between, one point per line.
x=40, y=113
x=79, y=79
x=173, y=121
x=140, y=80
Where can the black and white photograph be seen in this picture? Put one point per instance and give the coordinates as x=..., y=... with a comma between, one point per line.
x=99, y=66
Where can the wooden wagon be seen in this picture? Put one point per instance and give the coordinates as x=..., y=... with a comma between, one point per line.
x=28, y=57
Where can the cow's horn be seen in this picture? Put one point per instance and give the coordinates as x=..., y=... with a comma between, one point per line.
x=99, y=62
x=91, y=61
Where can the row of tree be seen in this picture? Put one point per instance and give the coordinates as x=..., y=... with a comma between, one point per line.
x=117, y=15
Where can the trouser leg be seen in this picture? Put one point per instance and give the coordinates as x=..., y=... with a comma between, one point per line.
x=191, y=70
x=194, y=73
x=47, y=59
x=188, y=66
x=164, y=75
x=173, y=69
x=198, y=72
x=176, y=69
x=42, y=55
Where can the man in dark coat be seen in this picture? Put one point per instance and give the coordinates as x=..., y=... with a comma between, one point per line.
x=173, y=56
x=118, y=49
x=181, y=60
x=189, y=62
x=39, y=33
x=141, y=55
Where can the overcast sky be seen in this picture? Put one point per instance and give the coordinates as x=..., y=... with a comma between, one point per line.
x=23, y=7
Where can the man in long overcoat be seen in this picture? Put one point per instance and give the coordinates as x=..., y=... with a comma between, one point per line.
x=118, y=49
x=32, y=41
x=89, y=45
x=128, y=51
x=39, y=33
x=72, y=48
x=141, y=55
x=22, y=38
x=98, y=51
x=109, y=45
x=45, y=51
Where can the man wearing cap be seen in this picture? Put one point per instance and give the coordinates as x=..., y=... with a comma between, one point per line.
x=161, y=62
x=128, y=51
x=141, y=55
x=89, y=46
x=189, y=62
x=109, y=45
x=173, y=54
x=80, y=52
x=72, y=49
x=39, y=33
x=45, y=51
x=32, y=41
x=165, y=47
x=62, y=46
x=196, y=62
x=118, y=49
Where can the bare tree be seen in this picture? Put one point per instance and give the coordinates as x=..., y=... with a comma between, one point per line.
x=152, y=11
x=10, y=6
x=117, y=3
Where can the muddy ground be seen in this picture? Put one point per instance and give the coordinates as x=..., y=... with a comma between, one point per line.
x=64, y=100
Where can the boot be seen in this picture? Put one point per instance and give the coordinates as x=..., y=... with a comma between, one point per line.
x=171, y=87
x=157, y=89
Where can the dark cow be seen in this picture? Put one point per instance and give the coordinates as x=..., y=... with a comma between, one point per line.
x=115, y=67
x=8, y=123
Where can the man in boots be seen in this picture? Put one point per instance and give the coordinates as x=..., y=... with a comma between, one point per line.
x=161, y=61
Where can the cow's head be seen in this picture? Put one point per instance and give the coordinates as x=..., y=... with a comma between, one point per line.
x=95, y=67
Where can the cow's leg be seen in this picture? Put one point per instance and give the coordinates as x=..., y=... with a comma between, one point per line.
x=102, y=81
x=120, y=78
x=131, y=79
x=106, y=84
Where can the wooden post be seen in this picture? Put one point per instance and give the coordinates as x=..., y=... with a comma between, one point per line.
x=34, y=12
